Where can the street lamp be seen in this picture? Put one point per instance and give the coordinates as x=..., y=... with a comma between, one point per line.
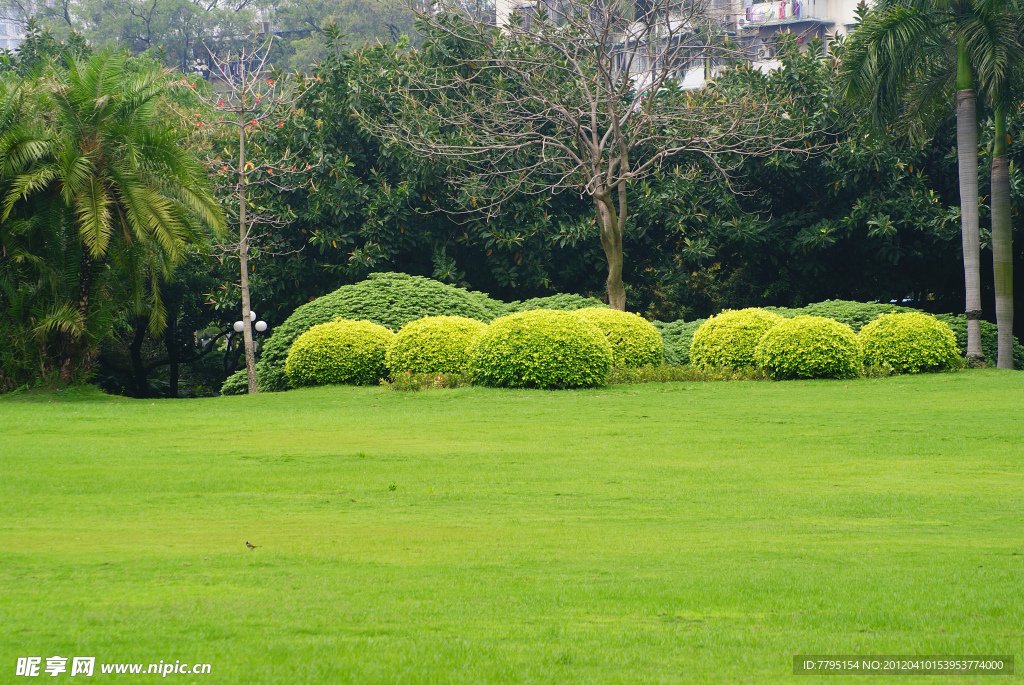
x=260, y=326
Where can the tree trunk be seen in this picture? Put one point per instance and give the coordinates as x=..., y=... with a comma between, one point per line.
x=967, y=158
x=243, y=258
x=171, y=343
x=73, y=346
x=1002, y=242
x=140, y=376
x=611, y=241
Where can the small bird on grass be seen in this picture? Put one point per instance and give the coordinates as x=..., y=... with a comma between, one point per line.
x=251, y=546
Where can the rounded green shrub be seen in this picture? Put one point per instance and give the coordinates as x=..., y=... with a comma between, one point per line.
x=809, y=347
x=389, y=299
x=433, y=344
x=910, y=343
x=541, y=348
x=635, y=342
x=728, y=340
x=341, y=351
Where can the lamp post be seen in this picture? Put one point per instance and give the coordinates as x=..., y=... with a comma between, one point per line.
x=238, y=327
x=260, y=326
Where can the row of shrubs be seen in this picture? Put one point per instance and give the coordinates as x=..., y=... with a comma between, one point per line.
x=818, y=347
x=555, y=349
x=390, y=300
x=393, y=300
x=539, y=348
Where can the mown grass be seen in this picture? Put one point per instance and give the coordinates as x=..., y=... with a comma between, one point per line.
x=686, y=532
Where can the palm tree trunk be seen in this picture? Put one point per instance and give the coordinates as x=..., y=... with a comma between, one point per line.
x=1002, y=242
x=73, y=347
x=967, y=157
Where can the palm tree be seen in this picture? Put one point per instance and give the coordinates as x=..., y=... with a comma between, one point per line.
x=993, y=39
x=102, y=144
x=905, y=60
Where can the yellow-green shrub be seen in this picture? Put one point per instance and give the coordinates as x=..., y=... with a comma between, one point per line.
x=541, y=348
x=809, y=347
x=635, y=342
x=729, y=339
x=340, y=351
x=433, y=344
x=910, y=342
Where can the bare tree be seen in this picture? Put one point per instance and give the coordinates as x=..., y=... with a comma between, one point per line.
x=248, y=97
x=574, y=95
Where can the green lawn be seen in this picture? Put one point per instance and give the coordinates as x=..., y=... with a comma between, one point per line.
x=697, y=532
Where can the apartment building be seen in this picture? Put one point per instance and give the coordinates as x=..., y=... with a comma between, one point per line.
x=10, y=35
x=752, y=23
x=756, y=22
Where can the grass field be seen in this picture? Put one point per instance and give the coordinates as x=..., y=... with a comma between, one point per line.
x=697, y=532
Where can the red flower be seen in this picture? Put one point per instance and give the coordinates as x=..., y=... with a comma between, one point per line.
x=280, y=124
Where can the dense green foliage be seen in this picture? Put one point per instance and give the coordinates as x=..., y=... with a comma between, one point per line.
x=635, y=342
x=869, y=218
x=433, y=344
x=389, y=299
x=728, y=340
x=809, y=347
x=989, y=341
x=541, y=348
x=909, y=342
x=677, y=337
x=341, y=351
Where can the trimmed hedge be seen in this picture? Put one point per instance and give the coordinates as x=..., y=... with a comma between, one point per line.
x=541, y=348
x=910, y=342
x=341, y=351
x=856, y=315
x=389, y=299
x=810, y=347
x=728, y=340
x=433, y=344
x=565, y=302
x=989, y=340
x=635, y=342
x=677, y=337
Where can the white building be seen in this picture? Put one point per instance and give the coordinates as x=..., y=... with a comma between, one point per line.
x=10, y=35
x=755, y=23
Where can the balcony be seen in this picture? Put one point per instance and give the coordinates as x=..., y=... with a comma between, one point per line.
x=780, y=12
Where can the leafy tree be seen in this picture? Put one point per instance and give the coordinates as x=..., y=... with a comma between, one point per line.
x=582, y=99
